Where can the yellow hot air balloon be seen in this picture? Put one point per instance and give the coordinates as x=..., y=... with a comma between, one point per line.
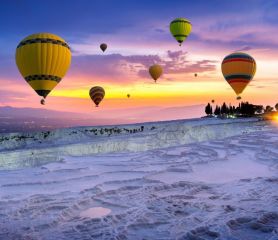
x=238, y=69
x=97, y=94
x=155, y=71
x=43, y=60
x=180, y=29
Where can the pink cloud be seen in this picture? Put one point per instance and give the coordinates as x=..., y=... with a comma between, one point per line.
x=120, y=67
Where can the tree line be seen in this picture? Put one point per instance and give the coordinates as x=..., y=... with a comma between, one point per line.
x=244, y=109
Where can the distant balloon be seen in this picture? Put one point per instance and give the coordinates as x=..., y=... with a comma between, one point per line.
x=180, y=29
x=212, y=100
x=238, y=69
x=155, y=71
x=195, y=74
x=43, y=60
x=97, y=94
x=103, y=46
x=128, y=95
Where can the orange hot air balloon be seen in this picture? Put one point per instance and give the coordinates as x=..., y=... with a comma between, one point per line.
x=238, y=69
x=97, y=94
x=103, y=46
x=155, y=71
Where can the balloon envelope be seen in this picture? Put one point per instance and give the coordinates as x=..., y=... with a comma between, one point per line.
x=238, y=69
x=43, y=60
x=103, y=46
x=155, y=71
x=97, y=94
x=180, y=29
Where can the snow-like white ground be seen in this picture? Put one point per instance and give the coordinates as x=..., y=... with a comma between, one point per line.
x=218, y=180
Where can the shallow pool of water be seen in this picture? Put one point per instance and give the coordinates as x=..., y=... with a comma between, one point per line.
x=218, y=172
x=95, y=212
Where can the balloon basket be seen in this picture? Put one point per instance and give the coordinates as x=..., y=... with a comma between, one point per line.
x=43, y=101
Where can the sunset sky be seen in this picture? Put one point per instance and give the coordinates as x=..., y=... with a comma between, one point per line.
x=137, y=34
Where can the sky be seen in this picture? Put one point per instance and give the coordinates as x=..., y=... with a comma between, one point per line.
x=137, y=34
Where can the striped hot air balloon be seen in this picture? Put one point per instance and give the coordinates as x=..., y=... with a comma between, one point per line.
x=238, y=69
x=43, y=60
x=97, y=94
x=180, y=29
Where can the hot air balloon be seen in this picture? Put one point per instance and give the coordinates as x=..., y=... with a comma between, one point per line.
x=238, y=69
x=103, y=46
x=43, y=60
x=195, y=74
x=128, y=95
x=180, y=29
x=155, y=71
x=212, y=101
x=97, y=94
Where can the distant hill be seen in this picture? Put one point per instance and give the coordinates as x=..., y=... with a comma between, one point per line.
x=33, y=119
x=8, y=111
x=152, y=113
x=171, y=113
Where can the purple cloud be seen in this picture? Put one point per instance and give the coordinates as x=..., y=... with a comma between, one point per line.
x=246, y=48
x=118, y=66
x=176, y=63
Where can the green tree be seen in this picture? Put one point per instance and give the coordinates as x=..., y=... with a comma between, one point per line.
x=268, y=109
x=217, y=110
x=276, y=106
x=208, y=109
x=224, y=108
x=259, y=109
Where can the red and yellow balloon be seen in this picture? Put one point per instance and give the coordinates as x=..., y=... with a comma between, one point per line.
x=238, y=69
